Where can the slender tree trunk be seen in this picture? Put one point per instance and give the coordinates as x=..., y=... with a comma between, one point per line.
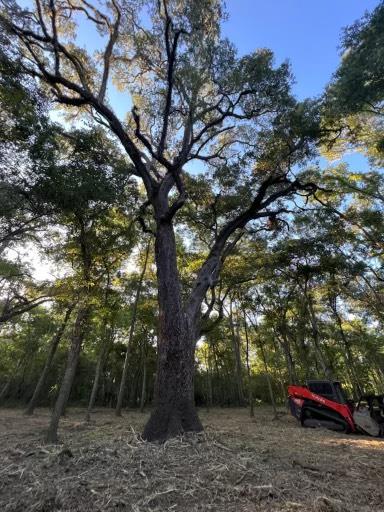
x=268, y=376
x=4, y=392
x=250, y=391
x=99, y=369
x=236, y=352
x=269, y=382
x=107, y=338
x=77, y=338
x=284, y=343
x=95, y=386
x=316, y=340
x=51, y=353
x=378, y=376
x=230, y=393
x=5, y=389
x=280, y=375
x=174, y=410
x=221, y=392
x=208, y=381
x=348, y=358
x=143, y=385
x=133, y=396
x=123, y=381
x=301, y=344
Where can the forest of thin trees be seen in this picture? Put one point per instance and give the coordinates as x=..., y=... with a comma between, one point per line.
x=197, y=251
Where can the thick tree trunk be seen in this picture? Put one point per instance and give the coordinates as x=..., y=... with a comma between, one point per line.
x=174, y=411
x=123, y=381
x=77, y=338
x=380, y=374
x=51, y=353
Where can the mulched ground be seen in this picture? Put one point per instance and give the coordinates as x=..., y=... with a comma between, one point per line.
x=238, y=464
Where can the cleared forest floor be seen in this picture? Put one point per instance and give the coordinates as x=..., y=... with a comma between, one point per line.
x=238, y=464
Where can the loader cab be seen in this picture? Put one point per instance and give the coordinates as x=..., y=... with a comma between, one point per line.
x=327, y=389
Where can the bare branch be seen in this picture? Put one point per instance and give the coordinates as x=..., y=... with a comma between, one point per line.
x=114, y=32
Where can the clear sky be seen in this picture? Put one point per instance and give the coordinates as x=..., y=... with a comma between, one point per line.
x=306, y=32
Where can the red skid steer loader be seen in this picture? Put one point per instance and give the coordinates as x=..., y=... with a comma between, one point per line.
x=323, y=404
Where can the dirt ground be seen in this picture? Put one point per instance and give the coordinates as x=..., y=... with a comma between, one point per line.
x=238, y=464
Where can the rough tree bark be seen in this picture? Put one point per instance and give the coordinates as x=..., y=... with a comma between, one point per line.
x=123, y=381
x=174, y=410
x=51, y=353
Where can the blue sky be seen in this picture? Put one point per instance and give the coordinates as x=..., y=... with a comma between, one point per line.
x=306, y=32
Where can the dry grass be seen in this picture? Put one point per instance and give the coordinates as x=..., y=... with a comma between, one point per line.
x=238, y=464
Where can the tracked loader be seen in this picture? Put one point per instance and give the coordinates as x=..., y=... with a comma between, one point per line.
x=324, y=404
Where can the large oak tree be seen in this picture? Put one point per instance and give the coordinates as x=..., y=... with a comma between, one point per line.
x=197, y=107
